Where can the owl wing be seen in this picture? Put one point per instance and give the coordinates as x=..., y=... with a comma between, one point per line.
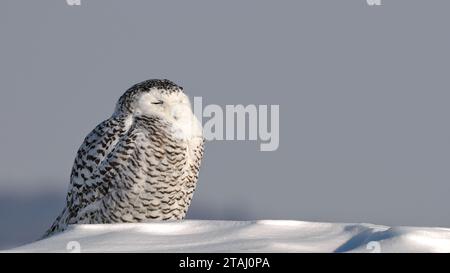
x=117, y=193
x=97, y=144
x=94, y=150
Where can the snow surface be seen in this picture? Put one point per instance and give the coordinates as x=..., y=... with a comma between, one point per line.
x=243, y=236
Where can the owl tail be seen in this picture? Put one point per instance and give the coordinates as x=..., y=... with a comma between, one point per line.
x=59, y=225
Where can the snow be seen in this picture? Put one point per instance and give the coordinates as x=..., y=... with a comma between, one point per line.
x=243, y=236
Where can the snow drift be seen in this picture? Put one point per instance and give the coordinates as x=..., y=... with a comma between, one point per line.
x=243, y=236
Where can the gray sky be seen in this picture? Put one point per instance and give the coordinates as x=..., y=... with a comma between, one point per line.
x=363, y=95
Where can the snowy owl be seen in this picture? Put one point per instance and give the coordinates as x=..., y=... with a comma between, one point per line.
x=140, y=164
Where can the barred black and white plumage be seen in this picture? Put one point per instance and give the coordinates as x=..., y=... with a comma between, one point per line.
x=140, y=164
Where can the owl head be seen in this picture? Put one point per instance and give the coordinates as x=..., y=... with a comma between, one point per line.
x=162, y=99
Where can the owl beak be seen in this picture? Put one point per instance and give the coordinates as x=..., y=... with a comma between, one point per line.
x=179, y=111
